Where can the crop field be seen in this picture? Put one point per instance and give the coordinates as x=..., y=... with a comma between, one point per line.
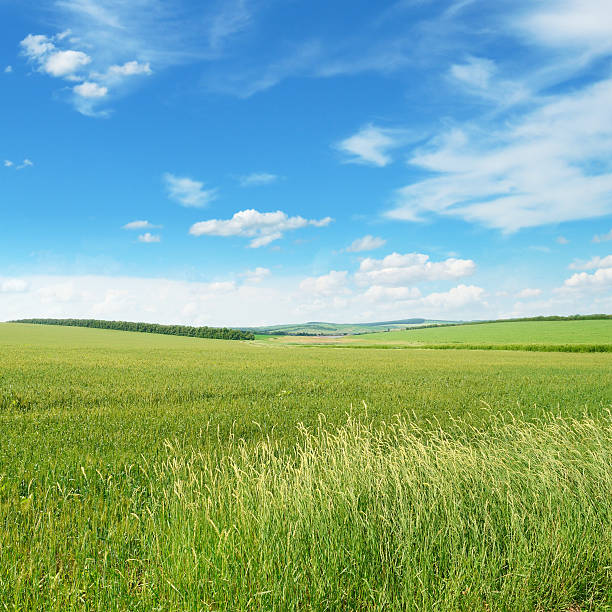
x=148, y=472
x=541, y=335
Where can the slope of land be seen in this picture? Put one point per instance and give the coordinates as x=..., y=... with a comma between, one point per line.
x=140, y=471
x=319, y=328
x=534, y=334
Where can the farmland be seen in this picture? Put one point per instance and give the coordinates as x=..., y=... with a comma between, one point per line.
x=538, y=334
x=154, y=472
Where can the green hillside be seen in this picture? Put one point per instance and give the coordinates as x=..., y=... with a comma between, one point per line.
x=514, y=334
x=155, y=472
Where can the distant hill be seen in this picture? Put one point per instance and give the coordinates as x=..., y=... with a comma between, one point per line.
x=321, y=328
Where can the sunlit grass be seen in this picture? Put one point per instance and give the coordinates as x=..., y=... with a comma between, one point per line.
x=146, y=472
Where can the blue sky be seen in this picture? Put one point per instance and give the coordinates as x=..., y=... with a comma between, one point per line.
x=255, y=161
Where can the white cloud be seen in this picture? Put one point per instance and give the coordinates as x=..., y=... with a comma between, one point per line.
x=529, y=293
x=378, y=293
x=90, y=90
x=257, y=178
x=256, y=275
x=36, y=46
x=457, y=297
x=562, y=240
x=371, y=145
x=65, y=63
x=188, y=192
x=332, y=284
x=540, y=169
x=599, y=279
x=26, y=163
x=8, y=70
x=476, y=72
x=263, y=228
x=396, y=269
x=129, y=69
x=148, y=237
x=367, y=243
x=583, y=25
x=48, y=55
x=13, y=285
x=138, y=225
x=603, y=237
x=594, y=262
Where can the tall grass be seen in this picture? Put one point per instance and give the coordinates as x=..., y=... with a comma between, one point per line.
x=516, y=517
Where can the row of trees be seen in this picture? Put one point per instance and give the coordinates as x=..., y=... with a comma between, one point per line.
x=222, y=333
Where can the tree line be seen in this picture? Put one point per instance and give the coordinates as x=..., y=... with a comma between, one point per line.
x=221, y=333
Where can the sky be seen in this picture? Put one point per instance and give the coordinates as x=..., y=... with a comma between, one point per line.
x=256, y=162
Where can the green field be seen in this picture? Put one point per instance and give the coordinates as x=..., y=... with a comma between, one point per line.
x=146, y=472
x=541, y=334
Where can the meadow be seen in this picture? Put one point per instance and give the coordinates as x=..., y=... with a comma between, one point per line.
x=145, y=472
x=551, y=336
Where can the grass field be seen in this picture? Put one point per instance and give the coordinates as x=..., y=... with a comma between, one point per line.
x=144, y=472
x=519, y=334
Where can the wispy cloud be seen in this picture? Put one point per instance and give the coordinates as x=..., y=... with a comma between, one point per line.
x=371, y=145
x=262, y=228
x=139, y=225
x=603, y=237
x=367, y=243
x=257, y=178
x=8, y=70
x=543, y=168
x=187, y=191
x=26, y=163
x=529, y=293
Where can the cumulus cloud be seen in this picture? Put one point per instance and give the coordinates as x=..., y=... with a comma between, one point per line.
x=263, y=228
x=367, y=243
x=89, y=89
x=603, y=237
x=148, y=237
x=187, y=191
x=138, y=225
x=13, y=285
x=257, y=178
x=371, y=145
x=47, y=54
x=8, y=163
x=65, y=63
x=591, y=264
x=457, y=297
x=397, y=269
x=331, y=284
x=583, y=280
x=8, y=70
x=562, y=240
x=529, y=293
